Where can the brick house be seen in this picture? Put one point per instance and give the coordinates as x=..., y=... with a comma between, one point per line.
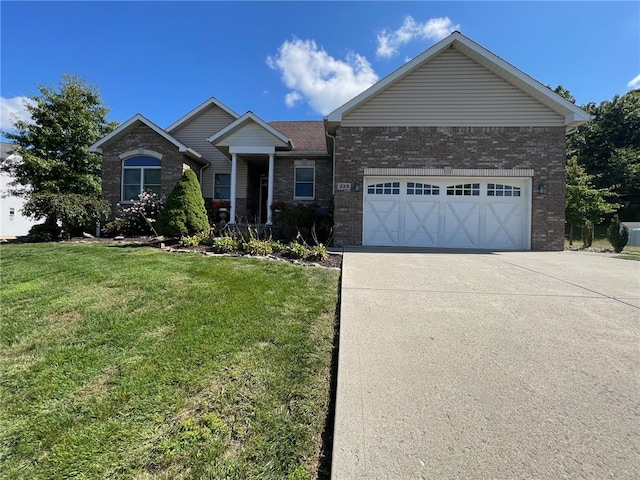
x=457, y=148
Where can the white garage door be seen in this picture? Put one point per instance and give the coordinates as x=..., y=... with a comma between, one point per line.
x=447, y=212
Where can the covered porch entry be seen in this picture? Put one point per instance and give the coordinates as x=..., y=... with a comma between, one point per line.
x=253, y=141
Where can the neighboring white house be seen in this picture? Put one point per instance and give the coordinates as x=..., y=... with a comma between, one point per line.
x=634, y=233
x=12, y=222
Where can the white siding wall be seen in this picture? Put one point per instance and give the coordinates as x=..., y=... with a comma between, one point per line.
x=251, y=135
x=12, y=225
x=195, y=134
x=451, y=90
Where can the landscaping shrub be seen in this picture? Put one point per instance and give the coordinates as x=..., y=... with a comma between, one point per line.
x=277, y=246
x=302, y=219
x=587, y=234
x=318, y=252
x=255, y=246
x=225, y=244
x=74, y=212
x=137, y=218
x=297, y=250
x=114, y=228
x=184, y=212
x=617, y=234
x=44, y=232
x=190, y=241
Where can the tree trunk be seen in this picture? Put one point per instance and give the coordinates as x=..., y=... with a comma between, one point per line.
x=570, y=234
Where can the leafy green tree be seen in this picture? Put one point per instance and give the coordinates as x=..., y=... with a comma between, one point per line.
x=184, y=212
x=609, y=149
x=65, y=121
x=585, y=202
x=563, y=92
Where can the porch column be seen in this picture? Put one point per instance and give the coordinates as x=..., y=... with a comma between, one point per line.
x=270, y=190
x=234, y=172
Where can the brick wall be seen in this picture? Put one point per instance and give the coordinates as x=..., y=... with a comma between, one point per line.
x=141, y=136
x=539, y=148
x=283, y=180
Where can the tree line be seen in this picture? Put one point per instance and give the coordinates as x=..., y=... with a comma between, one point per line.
x=603, y=164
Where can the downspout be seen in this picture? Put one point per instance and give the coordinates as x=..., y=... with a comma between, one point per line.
x=333, y=158
x=202, y=168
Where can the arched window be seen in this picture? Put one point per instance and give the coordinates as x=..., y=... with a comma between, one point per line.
x=140, y=174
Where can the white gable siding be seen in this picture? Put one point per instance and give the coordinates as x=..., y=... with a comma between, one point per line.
x=195, y=134
x=12, y=222
x=451, y=90
x=251, y=135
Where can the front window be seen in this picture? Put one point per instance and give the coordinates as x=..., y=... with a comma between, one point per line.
x=140, y=174
x=304, y=182
x=222, y=186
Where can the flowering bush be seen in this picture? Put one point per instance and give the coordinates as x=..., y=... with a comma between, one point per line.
x=218, y=204
x=139, y=217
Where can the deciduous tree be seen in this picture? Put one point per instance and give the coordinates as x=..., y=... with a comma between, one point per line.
x=65, y=121
x=609, y=149
x=584, y=200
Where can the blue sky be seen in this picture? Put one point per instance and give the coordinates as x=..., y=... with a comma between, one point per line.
x=297, y=60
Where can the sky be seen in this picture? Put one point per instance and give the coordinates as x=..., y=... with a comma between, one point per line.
x=296, y=60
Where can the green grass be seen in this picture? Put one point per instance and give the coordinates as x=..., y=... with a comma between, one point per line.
x=631, y=256
x=127, y=362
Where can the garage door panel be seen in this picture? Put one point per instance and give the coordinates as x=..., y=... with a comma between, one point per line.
x=447, y=212
x=421, y=223
x=382, y=222
x=504, y=225
x=462, y=224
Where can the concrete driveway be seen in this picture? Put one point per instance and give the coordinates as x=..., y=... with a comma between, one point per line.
x=491, y=365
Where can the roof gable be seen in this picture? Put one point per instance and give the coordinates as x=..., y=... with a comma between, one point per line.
x=250, y=130
x=211, y=102
x=130, y=124
x=571, y=115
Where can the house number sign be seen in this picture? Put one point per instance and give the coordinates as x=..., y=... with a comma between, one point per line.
x=344, y=187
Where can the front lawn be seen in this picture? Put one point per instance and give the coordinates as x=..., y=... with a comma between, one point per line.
x=125, y=362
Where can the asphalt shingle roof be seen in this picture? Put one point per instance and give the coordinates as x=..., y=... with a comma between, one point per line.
x=307, y=136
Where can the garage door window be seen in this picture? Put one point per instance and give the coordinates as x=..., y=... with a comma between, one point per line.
x=500, y=190
x=471, y=189
x=389, y=188
x=414, y=188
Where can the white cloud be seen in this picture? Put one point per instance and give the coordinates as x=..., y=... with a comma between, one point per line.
x=635, y=83
x=291, y=98
x=314, y=75
x=12, y=108
x=433, y=29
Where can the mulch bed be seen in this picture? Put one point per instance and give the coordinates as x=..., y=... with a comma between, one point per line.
x=172, y=245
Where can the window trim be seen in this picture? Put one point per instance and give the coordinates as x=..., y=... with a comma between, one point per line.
x=142, y=175
x=213, y=194
x=295, y=182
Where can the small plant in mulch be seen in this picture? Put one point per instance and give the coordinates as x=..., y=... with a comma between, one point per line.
x=226, y=244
